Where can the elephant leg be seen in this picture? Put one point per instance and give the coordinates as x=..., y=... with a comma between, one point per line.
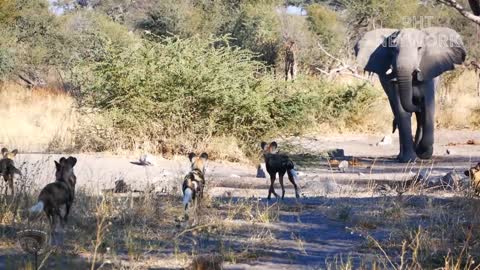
x=402, y=119
x=424, y=148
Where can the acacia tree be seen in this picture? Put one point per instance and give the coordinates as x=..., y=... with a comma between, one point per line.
x=474, y=15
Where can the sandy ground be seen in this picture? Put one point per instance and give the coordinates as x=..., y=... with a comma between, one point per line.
x=322, y=238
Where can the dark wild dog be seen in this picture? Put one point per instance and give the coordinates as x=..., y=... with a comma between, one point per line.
x=281, y=164
x=58, y=194
x=194, y=181
x=8, y=169
x=474, y=175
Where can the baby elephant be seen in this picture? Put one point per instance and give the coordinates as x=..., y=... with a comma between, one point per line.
x=8, y=169
x=281, y=164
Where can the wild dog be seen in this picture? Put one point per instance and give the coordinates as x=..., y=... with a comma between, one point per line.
x=474, y=175
x=194, y=181
x=281, y=164
x=56, y=195
x=8, y=169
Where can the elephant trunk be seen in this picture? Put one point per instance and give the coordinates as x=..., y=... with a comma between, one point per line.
x=405, y=92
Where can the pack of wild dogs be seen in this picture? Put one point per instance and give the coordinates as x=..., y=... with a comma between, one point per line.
x=57, y=198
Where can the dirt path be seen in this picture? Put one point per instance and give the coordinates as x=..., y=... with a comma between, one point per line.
x=304, y=236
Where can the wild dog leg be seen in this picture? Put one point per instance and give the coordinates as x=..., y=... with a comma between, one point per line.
x=67, y=211
x=291, y=177
x=51, y=219
x=10, y=183
x=280, y=178
x=272, y=190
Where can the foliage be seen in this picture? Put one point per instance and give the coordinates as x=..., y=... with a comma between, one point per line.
x=325, y=23
x=189, y=87
x=258, y=29
x=380, y=13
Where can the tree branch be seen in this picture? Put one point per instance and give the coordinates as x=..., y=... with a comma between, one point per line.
x=341, y=68
x=467, y=14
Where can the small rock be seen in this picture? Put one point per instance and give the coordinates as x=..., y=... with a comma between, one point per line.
x=473, y=142
x=448, y=151
x=121, y=187
x=147, y=159
x=386, y=140
x=336, y=153
x=234, y=175
x=452, y=180
x=260, y=172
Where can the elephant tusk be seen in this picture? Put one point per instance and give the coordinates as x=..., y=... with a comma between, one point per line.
x=418, y=74
x=389, y=71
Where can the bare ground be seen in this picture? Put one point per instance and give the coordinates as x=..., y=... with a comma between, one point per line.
x=333, y=224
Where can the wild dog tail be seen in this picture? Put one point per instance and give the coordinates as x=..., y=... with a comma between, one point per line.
x=290, y=167
x=37, y=208
x=293, y=173
x=187, y=197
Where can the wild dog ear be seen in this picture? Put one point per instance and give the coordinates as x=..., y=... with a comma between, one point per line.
x=58, y=166
x=63, y=161
x=263, y=145
x=4, y=151
x=273, y=146
x=72, y=161
x=14, y=152
x=204, y=156
x=191, y=156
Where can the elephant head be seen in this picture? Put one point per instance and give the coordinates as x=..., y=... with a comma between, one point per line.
x=410, y=55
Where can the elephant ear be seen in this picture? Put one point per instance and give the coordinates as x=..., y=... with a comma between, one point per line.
x=443, y=48
x=372, y=51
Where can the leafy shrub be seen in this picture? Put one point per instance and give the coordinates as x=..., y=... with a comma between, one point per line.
x=257, y=28
x=7, y=63
x=193, y=90
x=326, y=24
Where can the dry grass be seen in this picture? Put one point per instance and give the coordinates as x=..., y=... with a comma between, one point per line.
x=47, y=120
x=460, y=108
x=145, y=230
x=32, y=119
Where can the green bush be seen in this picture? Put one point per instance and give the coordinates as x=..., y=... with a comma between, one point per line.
x=189, y=88
x=326, y=24
x=7, y=63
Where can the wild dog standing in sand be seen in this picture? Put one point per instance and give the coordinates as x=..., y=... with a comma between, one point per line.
x=58, y=194
x=8, y=169
x=194, y=181
x=474, y=174
x=281, y=164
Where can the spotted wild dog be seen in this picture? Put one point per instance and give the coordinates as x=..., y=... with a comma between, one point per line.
x=59, y=194
x=281, y=164
x=474, y=175
x=8, y=169
x=194, y=181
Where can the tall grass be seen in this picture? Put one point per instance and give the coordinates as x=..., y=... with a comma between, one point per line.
x=31, y=119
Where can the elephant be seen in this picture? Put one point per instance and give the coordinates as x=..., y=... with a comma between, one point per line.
x=408, y=63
